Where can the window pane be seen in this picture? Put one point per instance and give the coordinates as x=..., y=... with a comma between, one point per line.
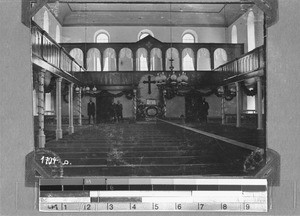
x=102, y=38
x=188, y=38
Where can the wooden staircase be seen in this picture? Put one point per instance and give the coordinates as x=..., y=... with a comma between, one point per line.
x=150, y=149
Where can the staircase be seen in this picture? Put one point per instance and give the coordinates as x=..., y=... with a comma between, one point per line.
x=150, y=149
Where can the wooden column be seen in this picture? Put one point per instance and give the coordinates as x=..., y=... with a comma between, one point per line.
x=180, y=60
x=238, y=104
x=71, y=124
x=79, y=108
x=212, y=59
x=41, y=109
x=259, y=104
x=134, y=104
x=134, y=60
x=164, y=104
x=163, y=56
x=58, y=109
x=149, y=60
x=223, y=110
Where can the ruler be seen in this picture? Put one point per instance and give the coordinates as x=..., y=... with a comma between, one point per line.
x=146, y=194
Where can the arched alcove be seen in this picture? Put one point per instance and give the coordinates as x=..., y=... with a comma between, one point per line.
x=77, y=54
x=125, y=60
x=251, y=31
x=156, y=60
x=220, y=57
x=203, y=59
x=188, y=59
x=93, y=62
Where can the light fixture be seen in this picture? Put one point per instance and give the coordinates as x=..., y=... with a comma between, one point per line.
x=173, y=82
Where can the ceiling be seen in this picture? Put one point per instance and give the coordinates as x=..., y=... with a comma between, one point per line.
x=142, y=13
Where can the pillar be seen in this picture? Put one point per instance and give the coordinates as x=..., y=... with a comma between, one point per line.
x=41, y=109
x=71, y=124
x=164, y=104
x=223, y=110
x=58, y=108
x=238, y=104
x=134, y=104
x=259, y=104
x=79, y=108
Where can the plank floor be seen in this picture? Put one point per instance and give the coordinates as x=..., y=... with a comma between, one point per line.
x=147, y=150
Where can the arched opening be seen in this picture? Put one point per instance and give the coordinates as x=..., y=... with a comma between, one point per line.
x=57, y=34
x=77, y=54
x=188, y=59
x=156, y=59
x=144, y=33
x=234, y=34
x=251, y=31
x=46, y=22
x=172, y=53
x=93, y=60
x=102, y=36
x=109, y=57
x=125, y=60
x=189, y=36
x=220, y=57
x=141, y=61
x=203, y=59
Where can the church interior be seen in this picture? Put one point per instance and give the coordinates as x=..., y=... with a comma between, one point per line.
x=153, y=89
x=112, y=69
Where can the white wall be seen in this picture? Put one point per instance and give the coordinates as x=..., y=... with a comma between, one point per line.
x=16, y=111
x=130, y=34
x=241, y=25
x=39, y=19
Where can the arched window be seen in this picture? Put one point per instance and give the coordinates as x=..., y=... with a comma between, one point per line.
x=220, y=57
x=234, y=34
x=77, y=54
x=155, y=59
x=102, y=36
x=188, y=59
x=251, y=31
x=189, y=36
x=172, y=53
x=203, y=60
x=144, y=33
x=93, y=60
x=142, y=59
x=57, y=34
x=125, y=60
x=46, y=22
x=109, y=57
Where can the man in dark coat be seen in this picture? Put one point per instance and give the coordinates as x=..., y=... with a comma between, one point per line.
x=205, y=107
x=91, y=111
x=119, y=111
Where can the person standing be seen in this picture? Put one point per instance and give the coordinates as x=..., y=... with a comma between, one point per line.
x=91, y=111
x=119, y=111
x=205, y=107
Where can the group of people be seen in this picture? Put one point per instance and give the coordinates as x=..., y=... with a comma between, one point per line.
x=115, y=111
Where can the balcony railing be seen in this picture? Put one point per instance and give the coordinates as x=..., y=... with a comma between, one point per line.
x=47, y=49
x=251, y=61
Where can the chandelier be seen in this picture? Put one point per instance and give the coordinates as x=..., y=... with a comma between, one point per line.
x=87, y=89
x=173, y=81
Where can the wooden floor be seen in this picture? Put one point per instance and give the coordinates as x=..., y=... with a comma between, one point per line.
x=152, y=149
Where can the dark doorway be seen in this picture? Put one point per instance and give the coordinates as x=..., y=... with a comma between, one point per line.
x=193, y=105
x=103, y=109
